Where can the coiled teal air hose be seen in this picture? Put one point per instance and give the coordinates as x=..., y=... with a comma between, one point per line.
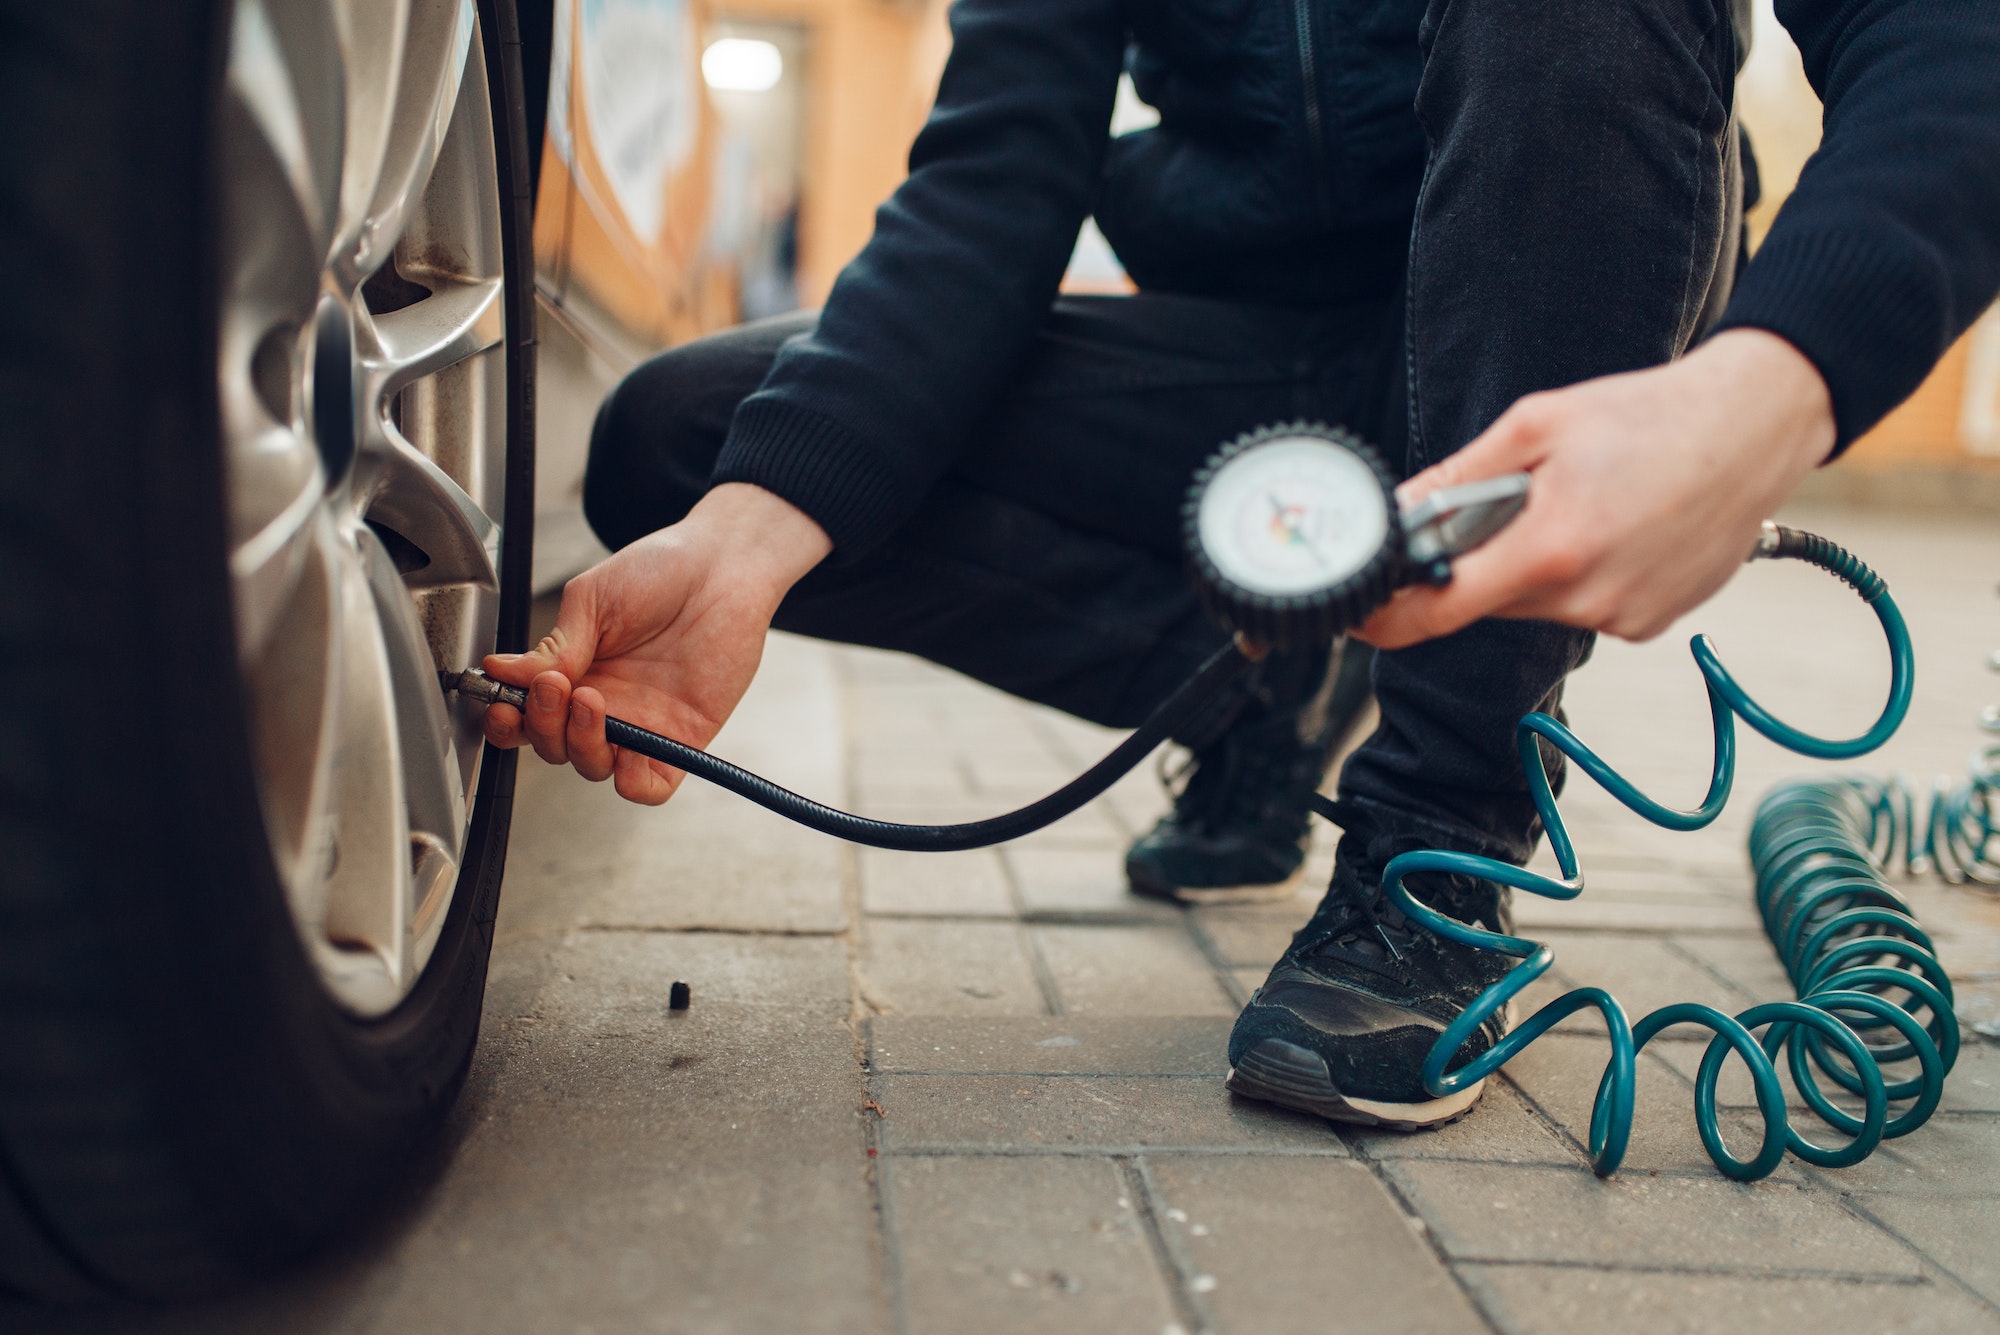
x=1850, y=943
x=1957, y=835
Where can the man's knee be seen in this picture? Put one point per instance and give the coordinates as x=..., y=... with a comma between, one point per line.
x=652, y=448
x=1564, y=66
x=658, y=434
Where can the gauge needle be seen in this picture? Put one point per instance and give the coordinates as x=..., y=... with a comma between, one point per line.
x=1290, y=525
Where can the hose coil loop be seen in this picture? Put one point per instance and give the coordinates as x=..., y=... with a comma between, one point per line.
x=1956, y=834
x=1870, y=990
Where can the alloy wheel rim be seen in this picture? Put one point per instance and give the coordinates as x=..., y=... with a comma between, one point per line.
x=362, y=387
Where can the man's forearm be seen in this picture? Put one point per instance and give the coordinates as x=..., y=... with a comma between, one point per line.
x=1889, y=247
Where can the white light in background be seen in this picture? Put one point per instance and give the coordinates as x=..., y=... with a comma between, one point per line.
x=741, y=65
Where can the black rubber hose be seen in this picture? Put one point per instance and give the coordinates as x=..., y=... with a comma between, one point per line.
x=1225, y=666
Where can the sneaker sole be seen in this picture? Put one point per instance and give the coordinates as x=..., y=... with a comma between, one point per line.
x=1294, y=1077
x=1269, y=892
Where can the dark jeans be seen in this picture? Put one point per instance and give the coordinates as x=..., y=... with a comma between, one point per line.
x=1579, y=217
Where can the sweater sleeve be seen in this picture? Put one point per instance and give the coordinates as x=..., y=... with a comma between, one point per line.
x=857, y=419
x=1889, y=248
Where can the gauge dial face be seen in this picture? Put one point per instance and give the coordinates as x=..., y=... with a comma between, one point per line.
x=1292, y=516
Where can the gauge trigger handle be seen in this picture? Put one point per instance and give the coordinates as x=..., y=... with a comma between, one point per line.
x=1453, y=520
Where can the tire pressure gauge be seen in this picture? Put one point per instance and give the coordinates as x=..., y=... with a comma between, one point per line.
x=1295, y=536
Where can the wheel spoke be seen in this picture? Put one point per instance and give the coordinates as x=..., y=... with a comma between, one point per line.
x=280, y=83
x=406, y=64
x=280, y=178
x=292, y=674
x=435, y=801
x=268, y=561
x=458, y=321
x=364, y=899
x=450, y=539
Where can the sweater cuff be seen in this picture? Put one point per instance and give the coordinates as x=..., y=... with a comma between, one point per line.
x=1859, y=312
x=818, y=465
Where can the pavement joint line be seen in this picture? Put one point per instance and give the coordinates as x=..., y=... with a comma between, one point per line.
x=1029, y=917
x=1402, y=1201
x=942, y=1150
x=1031, y=945
x=1198, y=931
x=888, y=1242
x=1054, y=743
x=1689, y=957
x=1661, y=934
x=1540, y=1115
x=1057, y=1075
x=883, y=1196
x=1716, y=1271
x=1564, y=1136
x=710, y=929
x=1176, y=1269
x=1861, y=1212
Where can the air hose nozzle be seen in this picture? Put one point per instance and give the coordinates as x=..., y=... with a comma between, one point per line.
x=476, y=685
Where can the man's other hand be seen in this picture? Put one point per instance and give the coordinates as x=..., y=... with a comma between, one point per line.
x=666, y=633
x=1648, y=492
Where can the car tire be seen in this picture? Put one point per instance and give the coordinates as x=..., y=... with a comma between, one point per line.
x=185, y=1100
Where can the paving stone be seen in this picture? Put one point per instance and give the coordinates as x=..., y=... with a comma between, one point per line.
x=1050, y=1045
x=708, y=859
x=1977, y=1004
x=1091, y=827
x=1138, y=800
x=1605, y=912
x=948, y=967
x=1582, y=1300
x=1957, y=1234
x=1084, y=882
x=1501, y=1128
x=1974, y=1082
x=1131, y=971
x=1949, y=1157
x=1748, y=960
x=1643, y=973
x=1029, y=769
x=1732, y=1088
x=949, y=884
x=1560, y=1073
x=1022, y=1245
x=619, y=1167
x=1103, y=1114
x=1253, y=936
x=1273, y=1245
x=1488, y=1212
x=900, y=770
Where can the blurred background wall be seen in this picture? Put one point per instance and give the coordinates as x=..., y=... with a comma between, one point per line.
x=797, y=124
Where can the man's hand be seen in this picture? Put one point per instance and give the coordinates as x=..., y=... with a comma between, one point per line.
x=1648, y=491
x=665, y=634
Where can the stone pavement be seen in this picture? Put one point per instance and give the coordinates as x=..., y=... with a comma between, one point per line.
x=984, y=1091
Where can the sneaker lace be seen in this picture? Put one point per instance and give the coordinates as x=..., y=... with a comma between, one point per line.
x=1366, y=925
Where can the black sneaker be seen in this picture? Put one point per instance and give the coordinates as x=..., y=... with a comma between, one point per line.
x=1239, y=827
x=1343, y=1024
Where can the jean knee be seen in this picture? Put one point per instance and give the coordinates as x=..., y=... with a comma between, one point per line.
x=648, y=463
x=1551, y=62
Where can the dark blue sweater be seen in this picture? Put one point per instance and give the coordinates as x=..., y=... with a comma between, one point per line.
x=1887, y=250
